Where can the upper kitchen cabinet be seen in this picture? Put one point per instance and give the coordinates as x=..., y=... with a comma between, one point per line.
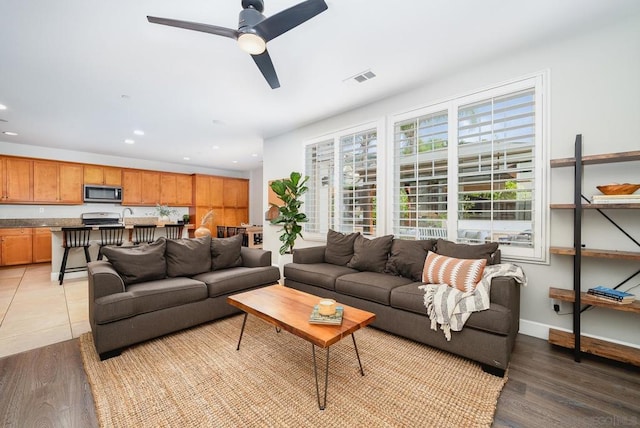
x=57, y=182
x=140, y=187
x=208, y=191
x=16, y=180
x=103, y=175
x=176, y=189
x=236, y=192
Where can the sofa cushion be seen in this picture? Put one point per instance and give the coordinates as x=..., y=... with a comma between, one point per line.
x=463, y=274
x=319, y=274
x=372, y=286
x=148, y=296
x=497, y=319
x=339, y=248
x=141, y=263
x=370, y=254
x=225, y=252
x=467, y=251
x=406, y=258
x=237, y=279
x=188, y=257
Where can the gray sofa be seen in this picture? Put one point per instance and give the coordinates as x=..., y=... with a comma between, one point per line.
x=383, y=275
x=147, y=291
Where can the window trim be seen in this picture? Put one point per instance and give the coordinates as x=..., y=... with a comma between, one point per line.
x=540, y=220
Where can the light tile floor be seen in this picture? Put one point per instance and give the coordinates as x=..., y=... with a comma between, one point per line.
x=35, y=311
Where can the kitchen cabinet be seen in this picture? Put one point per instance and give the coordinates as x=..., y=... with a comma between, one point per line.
x=15, y=246
x=236, y=193
x=41, y=244
x=575, y=339
x=140, y=187
x=227, y=197
x=176, y=189
x=16, y=179
x=57, y=182
x=102, y=175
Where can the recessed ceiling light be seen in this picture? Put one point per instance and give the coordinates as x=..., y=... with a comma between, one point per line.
x=138, y=132
x=129, y=141
x=255, y=155
x=3, y=107
x=215, y=147
x=186, y=158
x=13, y=134
x=235, y=161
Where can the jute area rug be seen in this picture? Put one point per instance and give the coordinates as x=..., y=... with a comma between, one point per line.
x=196, y=378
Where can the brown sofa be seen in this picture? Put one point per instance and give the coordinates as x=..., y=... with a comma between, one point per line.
x=147, y=291
x=383, y=275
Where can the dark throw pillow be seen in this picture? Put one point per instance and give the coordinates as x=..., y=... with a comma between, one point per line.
x=339, y=249
x=141, y=263
x=370, y=254
x=188, y=257
x=225, y=252
x=406, y=258
x=466, y=251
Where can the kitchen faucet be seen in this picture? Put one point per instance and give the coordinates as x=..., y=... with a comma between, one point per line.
x=124, y=211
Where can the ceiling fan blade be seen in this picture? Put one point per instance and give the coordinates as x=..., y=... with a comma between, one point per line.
x=205, y=28
x=281, y=22
x=263, y=61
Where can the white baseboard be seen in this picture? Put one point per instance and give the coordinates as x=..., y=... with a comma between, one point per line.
x=541, y=331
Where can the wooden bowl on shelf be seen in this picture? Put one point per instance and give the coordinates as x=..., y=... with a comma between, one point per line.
x=618, y=189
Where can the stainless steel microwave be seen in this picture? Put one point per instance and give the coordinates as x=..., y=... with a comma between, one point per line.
x=95, y=193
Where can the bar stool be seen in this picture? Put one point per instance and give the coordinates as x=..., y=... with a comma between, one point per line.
x=110, y=235
x=173, y=231
x=74, y=237
x=220, y=231
x=245, y=238
x=143, y=233
x=231, y=230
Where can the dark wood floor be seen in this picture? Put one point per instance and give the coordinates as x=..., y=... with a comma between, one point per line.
x=47, y=387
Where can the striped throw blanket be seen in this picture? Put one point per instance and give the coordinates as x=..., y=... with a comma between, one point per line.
x=450, y=308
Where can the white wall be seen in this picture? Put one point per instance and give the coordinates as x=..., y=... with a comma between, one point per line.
x=595, y=91
x=256, y=215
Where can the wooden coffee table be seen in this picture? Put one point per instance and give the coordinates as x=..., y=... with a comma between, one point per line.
x=289, y=309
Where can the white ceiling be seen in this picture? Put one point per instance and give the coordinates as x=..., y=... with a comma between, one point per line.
x=84, y=74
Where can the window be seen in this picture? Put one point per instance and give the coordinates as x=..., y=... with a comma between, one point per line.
x=468, y=169
x=421, y=171
x=319, y=199
x=343, y=198
x=465, y=170
x=358, y=175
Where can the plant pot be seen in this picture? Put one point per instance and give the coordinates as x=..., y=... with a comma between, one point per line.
x=283, y=259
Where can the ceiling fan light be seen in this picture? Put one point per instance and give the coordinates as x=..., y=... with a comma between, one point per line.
x=252, y=43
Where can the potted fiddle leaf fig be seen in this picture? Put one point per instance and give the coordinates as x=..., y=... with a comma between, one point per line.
x=289, y=190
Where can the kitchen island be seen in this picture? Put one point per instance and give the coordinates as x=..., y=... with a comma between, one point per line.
x=76, y=257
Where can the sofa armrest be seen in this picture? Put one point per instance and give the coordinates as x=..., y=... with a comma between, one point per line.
x=255, y=257
x=309, y=255
x=103, y=280
x=505, y=291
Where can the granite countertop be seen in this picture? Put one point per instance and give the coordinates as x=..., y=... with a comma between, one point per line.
x=57, y=223
x=126, y=226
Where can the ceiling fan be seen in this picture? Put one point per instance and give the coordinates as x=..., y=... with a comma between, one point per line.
x=255, y=30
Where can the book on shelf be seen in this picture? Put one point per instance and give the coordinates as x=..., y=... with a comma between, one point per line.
x=611, y=294
x=616, y=199
x=317, y=318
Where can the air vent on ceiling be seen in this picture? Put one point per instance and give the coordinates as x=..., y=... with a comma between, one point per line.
x=361, y=77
